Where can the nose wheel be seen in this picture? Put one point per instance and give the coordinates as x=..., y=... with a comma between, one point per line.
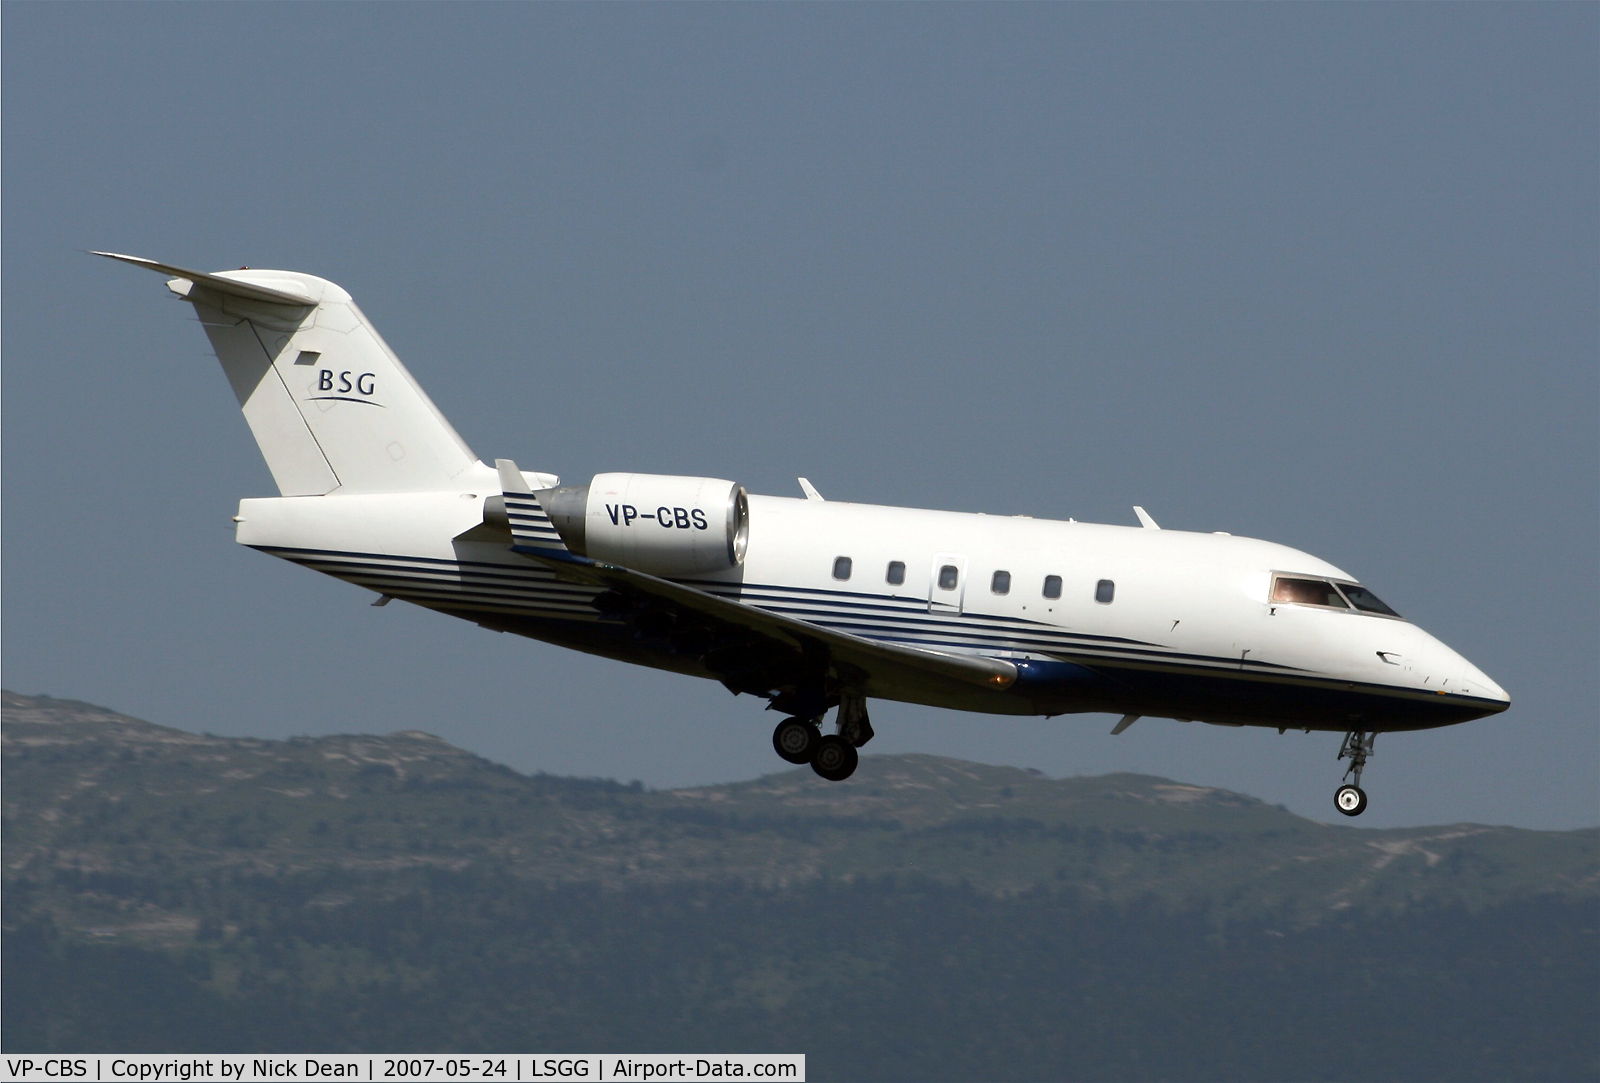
x=1351, y=799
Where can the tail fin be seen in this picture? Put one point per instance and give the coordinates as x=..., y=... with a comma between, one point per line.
x=330, y=405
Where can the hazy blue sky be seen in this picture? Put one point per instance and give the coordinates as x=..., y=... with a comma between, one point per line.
x=1324, y=274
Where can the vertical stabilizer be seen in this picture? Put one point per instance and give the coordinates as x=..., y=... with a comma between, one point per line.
x=330, y=405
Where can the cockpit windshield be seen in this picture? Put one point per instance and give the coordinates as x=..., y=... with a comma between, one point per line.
x=1304, y=590
x=1364, y=600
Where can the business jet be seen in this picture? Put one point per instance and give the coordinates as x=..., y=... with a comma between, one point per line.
x=813, y=605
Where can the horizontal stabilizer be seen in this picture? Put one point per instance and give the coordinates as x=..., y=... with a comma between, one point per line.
x=1127, y=720
x=286, y=292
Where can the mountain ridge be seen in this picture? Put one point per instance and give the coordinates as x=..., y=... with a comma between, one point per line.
x=91, y=790
x=928, y=919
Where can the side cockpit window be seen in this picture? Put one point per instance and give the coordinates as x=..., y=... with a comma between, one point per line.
x=1292, y=590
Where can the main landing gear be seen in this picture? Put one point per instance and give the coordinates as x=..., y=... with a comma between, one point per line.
x=836, y=758
x=799, y=741
x=796, y=739
x=1351, y=799
x=833, y=756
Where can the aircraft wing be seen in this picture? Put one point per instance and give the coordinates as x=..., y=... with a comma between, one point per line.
x=798, y=645
x=843, y=649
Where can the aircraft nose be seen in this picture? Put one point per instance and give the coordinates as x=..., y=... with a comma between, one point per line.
x=1477, y=683
x=1465, y=679
x=1444, y=670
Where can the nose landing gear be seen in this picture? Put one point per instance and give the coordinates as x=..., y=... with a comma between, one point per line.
x=1351, y=799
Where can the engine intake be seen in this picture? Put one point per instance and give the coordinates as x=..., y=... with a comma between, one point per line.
x=660, y=524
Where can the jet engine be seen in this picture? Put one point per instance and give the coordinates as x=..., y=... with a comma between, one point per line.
x=655, y=523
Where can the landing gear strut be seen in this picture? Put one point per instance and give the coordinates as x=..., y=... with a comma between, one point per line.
x=1351, y=798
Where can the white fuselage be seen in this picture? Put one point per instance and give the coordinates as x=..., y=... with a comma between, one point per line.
x=1188, y=630
x=809, y=604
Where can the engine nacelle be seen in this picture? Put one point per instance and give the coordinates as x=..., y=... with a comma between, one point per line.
x=655, y=523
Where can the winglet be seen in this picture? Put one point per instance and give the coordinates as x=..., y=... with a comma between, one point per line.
x=511, y=479
x=809, y=489
x=1127, y=719
x=531, y=531
x=1144, y=518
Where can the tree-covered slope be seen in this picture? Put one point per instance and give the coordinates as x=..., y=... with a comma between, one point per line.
x=927, y=919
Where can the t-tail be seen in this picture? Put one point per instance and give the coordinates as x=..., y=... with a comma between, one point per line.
x=329, y=403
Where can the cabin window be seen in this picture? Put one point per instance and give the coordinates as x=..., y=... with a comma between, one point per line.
x=1052, y=586
x=841, y=568
x=949, y=577
x=1296, y=591
x=1104, y=591
x=897, y=572
x=1000, y=583
x=1364, y=600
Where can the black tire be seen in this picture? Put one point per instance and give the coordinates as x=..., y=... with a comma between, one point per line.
x=1350, y=800
x=835, y=759
x=795, y=739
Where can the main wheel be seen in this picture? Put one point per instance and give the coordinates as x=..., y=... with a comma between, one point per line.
x=796, y=740
x=835, y=759
x=1350, y=800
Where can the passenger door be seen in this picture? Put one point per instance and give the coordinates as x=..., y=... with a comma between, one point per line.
x=948, y=583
